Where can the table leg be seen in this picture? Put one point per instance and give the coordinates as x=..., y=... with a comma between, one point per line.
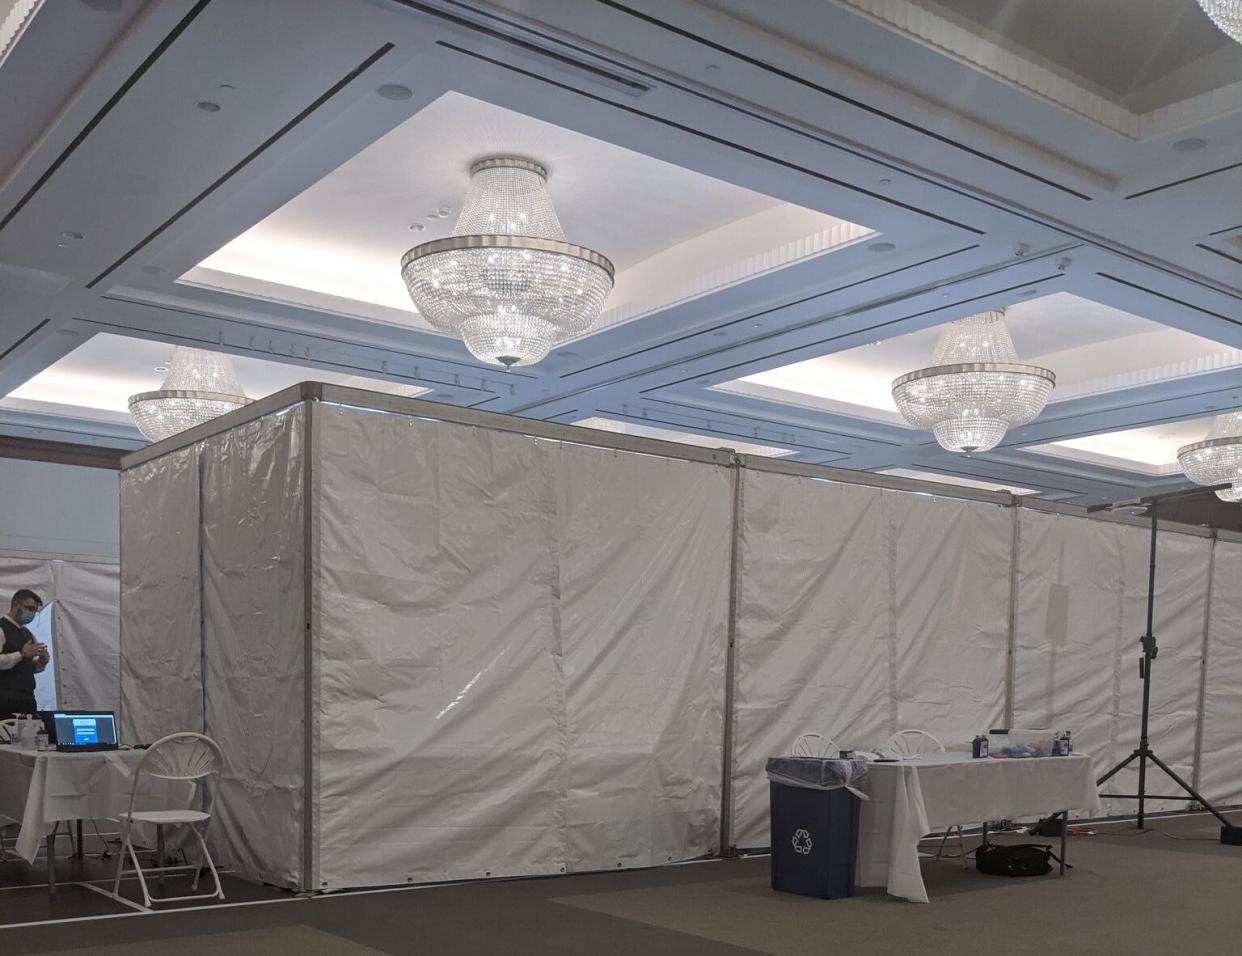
x=51, y=861
x=1064, y=837
x=81, y=848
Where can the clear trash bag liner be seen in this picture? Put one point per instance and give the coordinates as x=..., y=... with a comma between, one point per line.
x=819, y=773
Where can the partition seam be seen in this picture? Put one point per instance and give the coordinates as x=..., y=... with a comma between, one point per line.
x=890, y=546
x=735, y=572
x=552, y=472
x=1197, y=764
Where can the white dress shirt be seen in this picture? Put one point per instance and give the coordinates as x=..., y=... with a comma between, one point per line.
x=9, y=661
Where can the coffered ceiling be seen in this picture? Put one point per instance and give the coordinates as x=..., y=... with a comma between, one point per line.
x=796, y=195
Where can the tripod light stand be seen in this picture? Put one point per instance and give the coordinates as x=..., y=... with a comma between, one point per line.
x=1144, y=753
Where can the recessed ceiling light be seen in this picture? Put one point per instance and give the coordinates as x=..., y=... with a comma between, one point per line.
x=66, y=331
x=711, y=68
x=395, y=91
x=227, y=86
x=566, y=354
x=886, y=182
x=416, y=227
x=207, y=106
x=881, y=247
x=719, y=335
x=1190, y=144
x=443, y=212
x=75, y=236
x=161, y=368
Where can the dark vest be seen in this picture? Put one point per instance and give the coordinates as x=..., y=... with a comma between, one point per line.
x=19, y=680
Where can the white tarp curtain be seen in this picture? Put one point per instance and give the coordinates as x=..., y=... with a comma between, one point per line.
x=83, y=598
x=161, y=640
x=861, y=611
x=1082, y=607
x=1220, y=766
x=520, y=653
x=253, y=640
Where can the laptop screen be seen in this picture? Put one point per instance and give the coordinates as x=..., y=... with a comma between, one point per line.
x=85, y=729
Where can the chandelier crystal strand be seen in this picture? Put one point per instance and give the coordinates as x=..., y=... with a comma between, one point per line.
x=1218, y=458
x=1226, y=14
x=199, y=386
x=976, y=390
x=506, y=281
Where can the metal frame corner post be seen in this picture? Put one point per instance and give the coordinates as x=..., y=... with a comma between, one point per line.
x=1012, y=638
x=1196, y=767
x=310, y=448
x=735, y=570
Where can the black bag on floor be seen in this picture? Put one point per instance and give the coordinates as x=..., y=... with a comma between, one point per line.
x=1021, y=859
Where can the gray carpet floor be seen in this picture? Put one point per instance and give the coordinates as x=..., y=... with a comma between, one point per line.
x=1171, y=891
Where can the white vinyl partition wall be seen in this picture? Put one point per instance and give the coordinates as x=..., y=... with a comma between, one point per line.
x=1082, y=607
x=161, y=591
x=1220, y=759
x=518, y=643
x=861, y=611
x=520, y=652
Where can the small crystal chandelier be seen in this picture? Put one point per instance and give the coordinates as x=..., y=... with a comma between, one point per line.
x=199, y=386
x=1218, y=458
x=506, y=281
x=1226, y=14
x=975, y=389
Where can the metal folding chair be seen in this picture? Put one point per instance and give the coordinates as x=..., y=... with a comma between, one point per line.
x=912, y=743
x=195, y=759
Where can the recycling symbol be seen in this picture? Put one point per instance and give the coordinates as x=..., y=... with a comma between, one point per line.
x=802, y=842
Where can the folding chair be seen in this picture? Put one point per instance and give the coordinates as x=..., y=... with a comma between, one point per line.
x=912, y=743
x=193, y=758
x=815, y=745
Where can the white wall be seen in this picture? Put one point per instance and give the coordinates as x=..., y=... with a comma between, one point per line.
x=63, y=510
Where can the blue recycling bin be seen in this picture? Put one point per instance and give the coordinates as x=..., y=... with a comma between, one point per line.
x=814, y=825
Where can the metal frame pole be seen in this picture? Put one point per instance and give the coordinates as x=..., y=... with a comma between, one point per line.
x=1149, y=655
x=1196, y=767
x=735, y=555
x=310, y=448
x=1010, y=660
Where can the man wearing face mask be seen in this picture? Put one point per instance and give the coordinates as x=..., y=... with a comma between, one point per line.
x=21, y=656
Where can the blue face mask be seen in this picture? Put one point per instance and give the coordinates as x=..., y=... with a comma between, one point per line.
x=25, y=617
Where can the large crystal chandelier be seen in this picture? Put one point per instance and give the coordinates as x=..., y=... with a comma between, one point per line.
x=199, y=386
x=506, y=281
x=1217, y=459
x=1226, y=14
x=975, y=390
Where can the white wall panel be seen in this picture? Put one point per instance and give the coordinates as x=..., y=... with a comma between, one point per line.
x=1221, y=766
x=439, y=705
x=815, y=644
x=161, y=647
x=643, y=547
x=87, y=632
x=951, y=579
x=253, y=640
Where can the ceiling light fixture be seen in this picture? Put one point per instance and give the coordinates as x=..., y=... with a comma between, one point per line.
x=199, y=386
x=975, y=390
x=506, y=281
x=1226, y=14
x=1218, y=458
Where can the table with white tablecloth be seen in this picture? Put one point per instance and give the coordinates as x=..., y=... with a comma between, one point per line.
x=40, y=789
x=911, y=798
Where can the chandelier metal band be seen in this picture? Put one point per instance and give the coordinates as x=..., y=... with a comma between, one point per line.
x=181, y=393
x=498, y=241
x=1209, y=443
x=960, y=367
x=509, y=162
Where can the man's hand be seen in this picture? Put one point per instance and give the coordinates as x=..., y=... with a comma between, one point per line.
x=31, y=649
x=43, y=655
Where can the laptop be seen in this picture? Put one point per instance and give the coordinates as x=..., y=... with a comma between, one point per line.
x=81, y=731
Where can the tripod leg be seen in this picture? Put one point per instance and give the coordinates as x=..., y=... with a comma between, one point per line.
x=1189, y=789
x=1117, y=769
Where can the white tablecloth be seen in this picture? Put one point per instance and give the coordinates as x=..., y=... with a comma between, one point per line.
x=912, y=798
x=37, y=789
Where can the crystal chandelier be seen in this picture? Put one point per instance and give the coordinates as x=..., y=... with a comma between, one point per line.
x=1226, y=14
x=975, y=389
x=1218, y=458
x=506, y=281
x=199, y=386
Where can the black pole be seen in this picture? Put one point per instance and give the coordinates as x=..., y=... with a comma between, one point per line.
x=1149, y=654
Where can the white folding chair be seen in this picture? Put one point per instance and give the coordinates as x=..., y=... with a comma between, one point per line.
x=194, y=759
x=913, y=743
x=815, y=745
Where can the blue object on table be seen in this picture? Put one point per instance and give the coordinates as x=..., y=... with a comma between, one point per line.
x=814, y=825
